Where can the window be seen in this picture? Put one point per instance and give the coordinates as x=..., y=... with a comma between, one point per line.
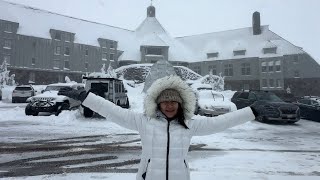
x=111, y=57
x=153, y=51
x=264, y=83
x=228, y=70
x=244, y=95
x=278, y=83
x=57, y=35
x=271, y=83
x=32, y=77
x=7, y=58
x=68, y=37
x=246, y=87
x=271, y=50
x=213, y=69
x=57, y=50
x=264, y=67
x=66, y=64
x=111, y=45
x=239, y=52
x=197, y=69
x=295, y=59
x=87, y=52
x=104, y=56
x=86, y=65
x=245, y=69
x=7, y=44
x=67, y=51
x=212, y=55
x=271, y=66
x=278, y=66
x=33, y=61
x=8, y=28
x=56, y=64
x=296, y=74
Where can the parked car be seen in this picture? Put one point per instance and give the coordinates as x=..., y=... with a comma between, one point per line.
x=309, y=107
x=211, y=103
x=111, y=89
x=21, y=93
x=50, y=101
x=268, y=106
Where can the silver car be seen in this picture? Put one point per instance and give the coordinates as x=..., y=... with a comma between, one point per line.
x=21, y=93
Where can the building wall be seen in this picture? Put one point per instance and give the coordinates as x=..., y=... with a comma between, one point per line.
x=32, y=54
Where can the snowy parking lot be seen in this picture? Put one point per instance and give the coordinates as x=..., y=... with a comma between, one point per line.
x=70, y=146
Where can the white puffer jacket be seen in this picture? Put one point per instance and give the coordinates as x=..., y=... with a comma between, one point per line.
x=165, y=144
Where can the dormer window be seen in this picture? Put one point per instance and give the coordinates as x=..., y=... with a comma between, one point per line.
x=153, y=51
x=8, y=28
x=212, y=55
x=270, y=50
x=239, y=52
x=68, y=37
x=57, y=35
x=111, y=45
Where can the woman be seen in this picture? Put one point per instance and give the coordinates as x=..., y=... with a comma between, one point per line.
x=166, y=127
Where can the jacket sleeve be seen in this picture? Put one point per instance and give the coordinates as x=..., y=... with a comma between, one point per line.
x=201, y=125
x=123, y=117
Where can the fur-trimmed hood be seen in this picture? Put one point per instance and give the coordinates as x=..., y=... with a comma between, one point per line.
x=170, y=82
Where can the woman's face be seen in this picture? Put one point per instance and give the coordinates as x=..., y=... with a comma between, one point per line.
x=169, y=108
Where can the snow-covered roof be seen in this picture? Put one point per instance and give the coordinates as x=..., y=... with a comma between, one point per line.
x=149, y=33
x=37, y=23
x=226, y=42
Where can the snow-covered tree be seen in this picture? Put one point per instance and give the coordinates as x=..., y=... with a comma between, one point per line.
x=111, y=72
x=103, y=68
x=67, y=79
x=5, y=78
x=216, y=82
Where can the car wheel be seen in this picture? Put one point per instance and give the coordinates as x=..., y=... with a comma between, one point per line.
x=127, y=105
x=87, y=112
x=29, y=111
x=63, y=106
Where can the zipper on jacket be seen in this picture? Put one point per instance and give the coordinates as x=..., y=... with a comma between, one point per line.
x=168, y=147
x=145, y=173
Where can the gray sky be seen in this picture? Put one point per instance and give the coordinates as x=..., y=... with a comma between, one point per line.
x=295, y=20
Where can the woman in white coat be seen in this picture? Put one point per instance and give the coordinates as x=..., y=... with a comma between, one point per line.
x=166, y=127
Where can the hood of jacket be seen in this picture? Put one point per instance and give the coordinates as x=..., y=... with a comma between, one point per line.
x=170, y=82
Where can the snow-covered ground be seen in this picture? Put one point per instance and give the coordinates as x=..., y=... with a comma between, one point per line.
x=250, y=151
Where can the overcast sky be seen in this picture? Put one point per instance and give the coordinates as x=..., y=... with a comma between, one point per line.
x=295, y=20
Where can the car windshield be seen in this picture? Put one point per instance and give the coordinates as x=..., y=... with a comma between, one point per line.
x=54, y=88
x=268, y=97
x=23, y=88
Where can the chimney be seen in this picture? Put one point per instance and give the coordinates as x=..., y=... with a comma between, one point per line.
x=256, y=24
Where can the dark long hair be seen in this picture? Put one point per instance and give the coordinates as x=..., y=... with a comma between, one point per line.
x=179, y=116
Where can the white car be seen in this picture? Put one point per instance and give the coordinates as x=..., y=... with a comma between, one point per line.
x=50, y=101
x=212, y=103
x=21, y=93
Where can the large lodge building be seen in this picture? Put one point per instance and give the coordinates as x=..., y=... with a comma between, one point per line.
x=42, y=47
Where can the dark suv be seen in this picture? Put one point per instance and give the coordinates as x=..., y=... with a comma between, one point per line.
x=268, y=106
